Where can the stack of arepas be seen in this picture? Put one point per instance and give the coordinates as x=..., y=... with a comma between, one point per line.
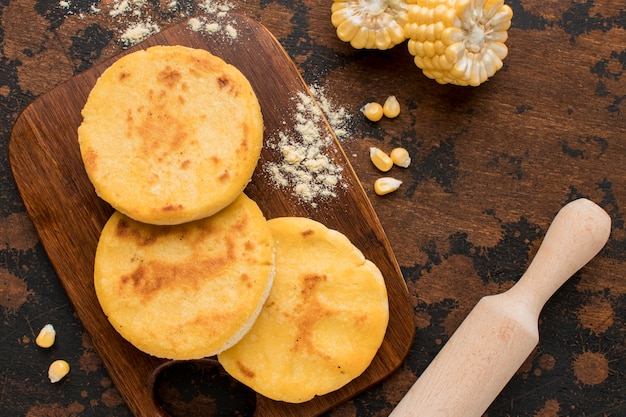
x=187, y=266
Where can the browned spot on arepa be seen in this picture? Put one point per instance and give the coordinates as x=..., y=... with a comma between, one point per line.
x=246, y=371
x=90, y=158
x=173, y=207
x=161, y=132
x=169, y=76
x=311, y=311
x=151, y=277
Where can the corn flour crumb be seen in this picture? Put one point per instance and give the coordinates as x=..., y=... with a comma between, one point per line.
x=305, y=167
x=201, y=24
x=196, y=24
x=216, y=7
x=231, y=31
x=138, y=32
x=218, y=11
x=338, y=117
x=121, y=7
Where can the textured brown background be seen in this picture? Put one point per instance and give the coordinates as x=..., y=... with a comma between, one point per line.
x=491, y=166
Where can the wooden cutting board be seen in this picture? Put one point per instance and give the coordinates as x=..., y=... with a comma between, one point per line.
x=68, y=216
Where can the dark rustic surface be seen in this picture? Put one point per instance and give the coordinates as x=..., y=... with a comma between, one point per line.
x=491, y=167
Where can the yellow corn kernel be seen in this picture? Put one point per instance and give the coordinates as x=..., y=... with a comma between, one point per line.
x=458, y=42
x=380, y=159
x=58, y=369
x=386, y=185
x=372, y=24
x=373, y=111
x=391, y=107
x=400, y=157
x=46, y=336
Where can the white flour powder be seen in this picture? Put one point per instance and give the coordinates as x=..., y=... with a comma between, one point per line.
x=217, y=22
x=134, y=20
x=306, y=168
x=338, y=118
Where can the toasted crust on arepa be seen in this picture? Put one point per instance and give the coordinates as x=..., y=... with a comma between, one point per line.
x=170, y=134
x=323, y=322
x=185, y=291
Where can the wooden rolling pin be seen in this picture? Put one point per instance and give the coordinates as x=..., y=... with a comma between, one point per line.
x=501, y=331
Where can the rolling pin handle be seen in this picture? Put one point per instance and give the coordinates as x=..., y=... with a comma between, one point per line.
x=578, y=232
x=501, y=330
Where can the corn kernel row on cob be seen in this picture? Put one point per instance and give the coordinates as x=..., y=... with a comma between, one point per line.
x=370, y=24
x=458, y=41
x=452, y=41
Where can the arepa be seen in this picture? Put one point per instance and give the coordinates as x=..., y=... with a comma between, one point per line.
x=170, y=134
x=323, y=322
x=185, y=291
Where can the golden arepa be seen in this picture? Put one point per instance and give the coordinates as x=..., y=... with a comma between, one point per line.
x=170, y=134
x=323, y=322
x=185, y=291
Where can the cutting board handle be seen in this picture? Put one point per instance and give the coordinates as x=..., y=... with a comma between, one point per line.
x=578, y=232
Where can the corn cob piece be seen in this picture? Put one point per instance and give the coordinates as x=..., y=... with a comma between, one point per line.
x=458, y=41
x=370, y=24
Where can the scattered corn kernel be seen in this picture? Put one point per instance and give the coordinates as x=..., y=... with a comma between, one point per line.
x=373, y=111
x=380, y=159
x=400, y=157
x=58, y=369
x=46, y=336
x=386, y=185
x=391, y=107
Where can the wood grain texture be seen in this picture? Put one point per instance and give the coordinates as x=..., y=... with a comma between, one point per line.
x=68, y=216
